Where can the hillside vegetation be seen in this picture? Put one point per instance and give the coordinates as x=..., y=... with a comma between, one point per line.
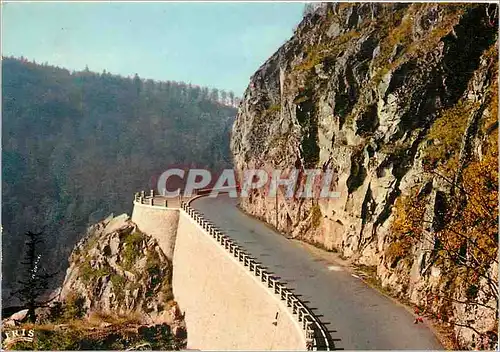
x=76, y=145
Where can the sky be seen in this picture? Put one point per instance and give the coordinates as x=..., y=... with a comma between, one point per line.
x=217, y=45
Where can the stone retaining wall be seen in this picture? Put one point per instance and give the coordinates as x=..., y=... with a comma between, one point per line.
x=158, y=222
x=229, y=300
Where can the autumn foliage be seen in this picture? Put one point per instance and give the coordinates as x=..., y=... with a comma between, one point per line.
x=456, y=211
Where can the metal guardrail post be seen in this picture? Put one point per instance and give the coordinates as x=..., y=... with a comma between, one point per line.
x=309, y=332
x=293, y=303
x=280, y=290
x=251, y=265
x=277, y=287
x=309, y=324
x=265, y=277
x=287, y=298
x=307, y=318
x=272, y=282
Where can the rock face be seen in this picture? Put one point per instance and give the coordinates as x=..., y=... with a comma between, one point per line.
x=115, y=269
x=383, y=94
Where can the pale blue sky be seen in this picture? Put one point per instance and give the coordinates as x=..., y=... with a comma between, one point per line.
x=210, y=44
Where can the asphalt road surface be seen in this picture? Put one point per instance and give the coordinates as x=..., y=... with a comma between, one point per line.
x=357, y=316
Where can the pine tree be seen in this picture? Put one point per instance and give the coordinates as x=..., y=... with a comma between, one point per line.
x=214, y=95
x=204, y=93
x=37, y=280
x=223, y=96
x=137, y=84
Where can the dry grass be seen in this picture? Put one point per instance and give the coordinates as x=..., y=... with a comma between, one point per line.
x=316, y=54
x=97, y=318
x=445, y=134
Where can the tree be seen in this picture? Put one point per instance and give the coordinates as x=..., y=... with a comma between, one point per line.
x=137, y=84
x=204, y=93
x=231, y=98
x=194, y=93
x=87, y=122
x=463, y=233
x=223, y=96
x=36, y=281
x=214, y=95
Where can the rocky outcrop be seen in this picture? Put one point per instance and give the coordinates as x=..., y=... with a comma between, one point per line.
x=382, y=94
x=115, y=269
x=116, y=295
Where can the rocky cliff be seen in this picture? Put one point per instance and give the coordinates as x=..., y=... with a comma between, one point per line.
x=400, y=100
x=116, y=269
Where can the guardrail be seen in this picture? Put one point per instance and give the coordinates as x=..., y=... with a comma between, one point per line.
x=151, y=199
x=316, y=335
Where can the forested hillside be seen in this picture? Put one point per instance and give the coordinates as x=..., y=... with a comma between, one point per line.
x=76, y=145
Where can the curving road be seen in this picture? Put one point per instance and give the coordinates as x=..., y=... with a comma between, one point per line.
x=358, y=317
